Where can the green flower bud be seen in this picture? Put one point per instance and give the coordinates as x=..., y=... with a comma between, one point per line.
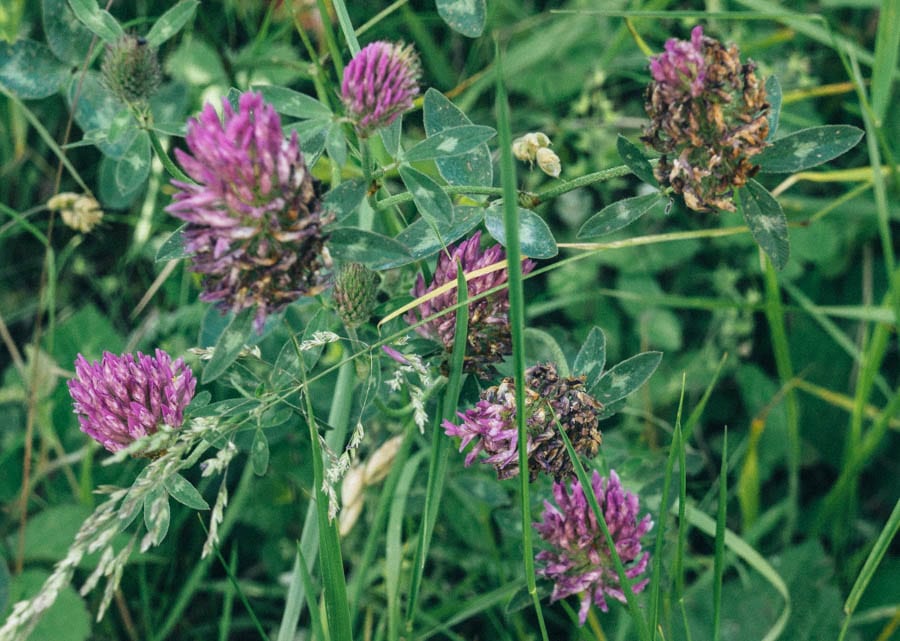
x=131, y=70
x=354, y=293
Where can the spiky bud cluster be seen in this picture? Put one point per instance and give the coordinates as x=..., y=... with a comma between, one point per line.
x=708, y=118
x=549, y=399
x=354, y=293
x=131, y=69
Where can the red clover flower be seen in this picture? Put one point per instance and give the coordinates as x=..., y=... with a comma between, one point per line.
x=119, y=399
x=380, y=83
x=254, y=219
x=708, y=117
x=580, y=559
x=488, y=338
x=491, y=424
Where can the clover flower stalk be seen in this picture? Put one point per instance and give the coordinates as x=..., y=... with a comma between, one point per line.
x=488, y=337
x=254, y=218
x=549, y=400
x=708, y=118
x=120, y=399
x=579, y=560
x=380, y=83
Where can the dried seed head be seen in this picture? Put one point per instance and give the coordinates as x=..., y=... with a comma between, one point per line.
x=79, y=212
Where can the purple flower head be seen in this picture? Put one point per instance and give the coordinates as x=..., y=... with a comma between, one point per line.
x=119, y=399
x=682, y=65
x=579, y=560
x=549, y=400
x=254, y=220
x=488, y=337
x=380, y=83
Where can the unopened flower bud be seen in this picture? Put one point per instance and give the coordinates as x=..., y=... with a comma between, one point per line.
x=131, y=70
x=354, y=293
x=548, y=161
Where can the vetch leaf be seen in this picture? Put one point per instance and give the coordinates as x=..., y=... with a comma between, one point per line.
x=67, y=37
x=773, y=96
x=808, y=148
x=293, y=103
x=634, y=158
x=229, y=345
x=343, y=200
x=626, y=377
x=618, y=215
x=171, y=22
x=767, y=222
x=366, y=247
x=30, y=70
x=431, y=201
x=591, y=358
x=420, y=237
x=133, y=167
x=452, y=141
x=535, y=237
x=180, y=489
x=259, y=453
x=464, y=16
x=98, y=20
x=472, y=168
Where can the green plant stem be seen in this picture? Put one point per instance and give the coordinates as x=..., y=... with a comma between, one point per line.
x=170, y=166
x=346, y=26
x=516, y=323
x=192, y=584
x=330, y=39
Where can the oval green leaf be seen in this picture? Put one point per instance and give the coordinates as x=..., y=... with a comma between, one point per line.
x=626, y=377
x=464, y=16
x=591, y=358
x=634, y=158
x=453, y=141
x=173, y=247
x=808, y=148
x=293, y=103
x=133, y=167
x=343, y=200
x=366, y=247
x=259, y=453
x=473, y=168
x=171, y=22
x=180, y=489
x=423, y=239
x=535, y=237
x=67, y=37
x=767, y=222
x=30, y=70
x=229, y=345
x=99, y=21
x=432, y=202
x=618, y=215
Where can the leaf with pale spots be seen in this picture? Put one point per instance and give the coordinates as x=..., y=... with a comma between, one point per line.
x=349, y=244
x=134, y=165
x=634, y=158
x=767, y=222
x=808, y=148
x=229, y=345
x=535, y=237
x=620, y=214
x=453, y=141
x=591, y=358
x=626, y=377
x=171, y=22
x=431, y=201
x=343, y=200
x=30, y=70
x=422, y=239
x=99, y=21
x=464, y=16
x=293, y=103
x=472, y=168
x=180, y=489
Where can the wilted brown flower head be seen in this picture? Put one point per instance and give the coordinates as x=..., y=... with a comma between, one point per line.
x=548, y=398
x=708, y=117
